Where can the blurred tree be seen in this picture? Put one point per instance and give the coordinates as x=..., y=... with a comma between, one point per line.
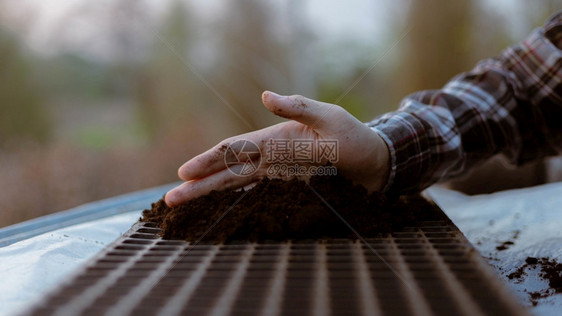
x=449, y=37
x=253, y=58
x=368, y=96
x=165, y=88
x=438, y=45
x=72, y=75
x=22, y=110
x=301, y=46
x=127, y=26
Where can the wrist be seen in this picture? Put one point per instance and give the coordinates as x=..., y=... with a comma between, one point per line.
x=383, y=162
x=386, y=163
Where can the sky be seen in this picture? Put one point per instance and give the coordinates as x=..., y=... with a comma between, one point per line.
x=373, y=25
x=330, y=19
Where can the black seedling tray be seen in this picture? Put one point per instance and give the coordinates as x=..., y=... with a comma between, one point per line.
x=426, y=270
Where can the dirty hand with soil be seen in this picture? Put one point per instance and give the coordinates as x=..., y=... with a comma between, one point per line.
x=363, y=156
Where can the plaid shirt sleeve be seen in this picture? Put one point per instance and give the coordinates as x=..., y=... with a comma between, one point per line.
x=511, y=104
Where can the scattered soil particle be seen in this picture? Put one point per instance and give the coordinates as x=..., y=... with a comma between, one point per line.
x=537, y=295
x=519, y=273
x=505, y=245
x=277, y=210
x=550, y=270
x=531, y=260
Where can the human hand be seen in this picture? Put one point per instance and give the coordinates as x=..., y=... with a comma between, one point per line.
x=362, y=154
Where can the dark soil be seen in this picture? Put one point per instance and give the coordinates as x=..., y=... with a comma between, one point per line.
x=531, y=260
x=277, y=210
x=505, y=245
x=537, y=295
x=550, y=270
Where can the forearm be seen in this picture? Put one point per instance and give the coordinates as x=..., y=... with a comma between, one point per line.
x=511, y=105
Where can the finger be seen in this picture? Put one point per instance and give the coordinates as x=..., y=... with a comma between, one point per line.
x=220, y=157
x=306, y=111
x=207, y=163
x=222, y=180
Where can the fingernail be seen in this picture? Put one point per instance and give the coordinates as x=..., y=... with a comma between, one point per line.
x=169, y=198
x=273, y=94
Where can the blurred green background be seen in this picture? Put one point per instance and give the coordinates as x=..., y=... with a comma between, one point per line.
x=99, y=98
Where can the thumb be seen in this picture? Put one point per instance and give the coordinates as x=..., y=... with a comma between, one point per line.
x=306, y=111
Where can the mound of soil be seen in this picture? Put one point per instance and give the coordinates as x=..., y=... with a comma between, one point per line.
x=277, y=210
x=550, y=270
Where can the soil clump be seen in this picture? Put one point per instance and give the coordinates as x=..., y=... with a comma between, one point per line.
x=277, y=210
x=550, y=271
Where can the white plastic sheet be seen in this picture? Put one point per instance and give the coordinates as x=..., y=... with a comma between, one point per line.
x=31, y=268
x=531, y=218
